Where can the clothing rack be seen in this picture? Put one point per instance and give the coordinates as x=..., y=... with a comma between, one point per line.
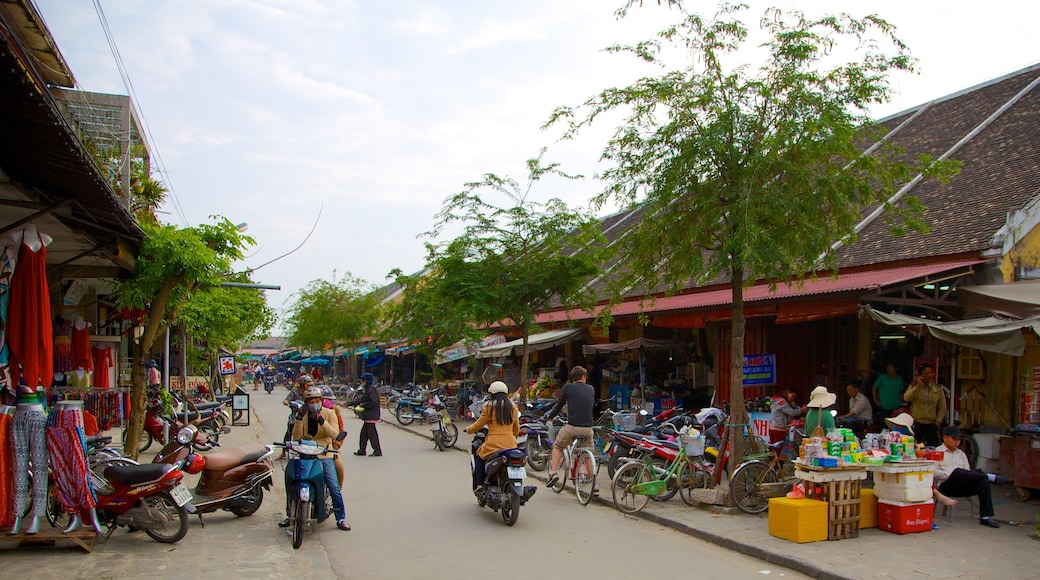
x=111, y=407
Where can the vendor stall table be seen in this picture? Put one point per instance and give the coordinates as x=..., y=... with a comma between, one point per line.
x=840, y=488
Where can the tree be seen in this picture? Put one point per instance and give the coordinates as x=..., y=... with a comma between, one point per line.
x=751, y=173
x=512, y=261
x=173, y=264
x=333, y=314
x=427, y=315
x=224, y=318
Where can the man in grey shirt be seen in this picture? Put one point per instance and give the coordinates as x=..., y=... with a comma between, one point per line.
x=580, y=399
x=860, y=413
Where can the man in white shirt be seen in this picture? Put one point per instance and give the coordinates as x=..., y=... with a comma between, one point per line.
x=954, y=477
x=860, y=413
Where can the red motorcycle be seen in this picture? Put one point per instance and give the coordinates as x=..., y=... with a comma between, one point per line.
x=148, y=497
x=209, y=421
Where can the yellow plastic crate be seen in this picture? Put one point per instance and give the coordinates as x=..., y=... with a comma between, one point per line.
x=798, y=520
x=867, y=509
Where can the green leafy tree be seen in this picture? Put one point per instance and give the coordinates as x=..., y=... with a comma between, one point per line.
x=173, y=264
x=513, y=260
x=427, y=315
x=224, y=318
x=751, y=172
x=333, y=314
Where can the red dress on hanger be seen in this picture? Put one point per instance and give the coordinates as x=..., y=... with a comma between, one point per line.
x=29, y=319
x=81, y=358
x=102, y=362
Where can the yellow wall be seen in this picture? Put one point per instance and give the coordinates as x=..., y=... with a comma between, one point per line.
x=1025, y=253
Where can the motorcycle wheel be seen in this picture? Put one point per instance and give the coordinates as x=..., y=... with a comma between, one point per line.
x=625, y=500
x=537, y=454
x=511, y=511
x=303, y=508
x=402, y=417
x=451, y=435
x=438, y=440
x=143, y=444
x=616, y=460
x=220, y=419
x=255, y=498
x=176, y=518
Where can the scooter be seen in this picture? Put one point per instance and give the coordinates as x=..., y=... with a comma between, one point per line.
x=445, y=433
x=504, y=488
x=411, y=408
x=305, y=485
x=210, y=421
x=268, y=383
x=149, y=497
x=232, y=479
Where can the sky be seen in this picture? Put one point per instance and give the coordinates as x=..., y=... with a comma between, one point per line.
x=357, y=118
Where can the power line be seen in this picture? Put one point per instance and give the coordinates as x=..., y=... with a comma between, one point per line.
x=134, y=102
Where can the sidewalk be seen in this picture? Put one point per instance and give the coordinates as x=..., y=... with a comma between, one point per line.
x=228, y=547
x=961, y=548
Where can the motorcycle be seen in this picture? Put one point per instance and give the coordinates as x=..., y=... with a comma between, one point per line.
x=411, y=408
x=148, y=497
x=232, y=479
x=445, y=433
x=504, y=488
x=268, y=383
x=210, y=421
x=305, y=485
x=534, y=438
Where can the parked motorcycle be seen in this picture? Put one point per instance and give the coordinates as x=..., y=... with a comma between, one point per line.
x=232, y=479
x=305, y=485
x=445, y=433
x=504, y=488
x=411, y=408
x=148, y=497
x=210, y=421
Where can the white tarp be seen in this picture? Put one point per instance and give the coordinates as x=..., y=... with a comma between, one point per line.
x=993, y=334
x=1018, y=299
x=535, y=342
x=628, y=345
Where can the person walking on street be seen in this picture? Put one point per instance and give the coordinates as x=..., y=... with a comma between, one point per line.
x=580, y=399
x=369, y=403
x=927, y=405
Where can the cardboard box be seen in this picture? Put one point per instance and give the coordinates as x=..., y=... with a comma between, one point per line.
x=798, y=520
x=867, y=509
x=904, y=517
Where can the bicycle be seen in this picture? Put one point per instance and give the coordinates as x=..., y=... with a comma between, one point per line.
x=755, y=481
x=640, y=479
x=580, y=464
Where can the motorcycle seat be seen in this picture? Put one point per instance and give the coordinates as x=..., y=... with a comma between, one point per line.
x=207, y=406
x=235, y=456
x=97, y=440
x=191, y=415
x=495, y=459
x=137, y=474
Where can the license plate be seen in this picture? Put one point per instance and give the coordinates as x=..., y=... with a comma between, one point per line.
x=521, y=439
x=516, y=472
x=180, y=494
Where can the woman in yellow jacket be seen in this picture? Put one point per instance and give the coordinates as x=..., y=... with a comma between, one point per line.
x=503, y=422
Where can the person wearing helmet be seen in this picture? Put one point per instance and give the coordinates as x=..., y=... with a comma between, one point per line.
x=369, y=404
x=503, y=422
x=295, y=394
x=320, y=425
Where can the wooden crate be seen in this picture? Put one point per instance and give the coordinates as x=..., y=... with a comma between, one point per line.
x=843, y=507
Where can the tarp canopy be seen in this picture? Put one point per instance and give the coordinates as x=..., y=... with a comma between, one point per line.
x=993, y=334
x=628, y=345
x=1017, y=299
x=535, y=342
x=316, y=360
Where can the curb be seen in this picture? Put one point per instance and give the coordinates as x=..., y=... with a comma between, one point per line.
x=798, y=565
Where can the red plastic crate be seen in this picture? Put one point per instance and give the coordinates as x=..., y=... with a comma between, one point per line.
x=904, y=518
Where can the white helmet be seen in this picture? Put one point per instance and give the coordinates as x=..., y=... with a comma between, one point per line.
x=312, y=393
x=498, y=387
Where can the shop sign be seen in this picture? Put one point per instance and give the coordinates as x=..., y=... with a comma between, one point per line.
x=195, y=383
x=759, y=369
x=226, y=364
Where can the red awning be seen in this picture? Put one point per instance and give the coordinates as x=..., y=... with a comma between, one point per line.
x=866, y=280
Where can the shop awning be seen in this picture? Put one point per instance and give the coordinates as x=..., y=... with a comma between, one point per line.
x=535, y=342
x=1017, y=299
x=628, y=345
x=992, y=334
x=464, y=349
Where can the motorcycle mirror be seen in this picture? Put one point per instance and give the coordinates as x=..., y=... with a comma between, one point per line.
x=342, y=435
x=644, y=412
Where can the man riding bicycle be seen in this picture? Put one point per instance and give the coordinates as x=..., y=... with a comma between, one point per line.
x=580, y=399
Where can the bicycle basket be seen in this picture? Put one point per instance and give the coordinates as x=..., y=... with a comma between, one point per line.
x=625, y=421
x=694, y=445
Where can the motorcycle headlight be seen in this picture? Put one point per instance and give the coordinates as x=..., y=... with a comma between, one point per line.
x=186, y=435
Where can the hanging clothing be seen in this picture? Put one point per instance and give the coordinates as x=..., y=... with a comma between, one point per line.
x=68, y=457
x=102, y=363
x=6, y=467
x=29, y=319
x=7, y=261
x=81, y=358
x=62, y=353
x=79, y=378
x=28, y=433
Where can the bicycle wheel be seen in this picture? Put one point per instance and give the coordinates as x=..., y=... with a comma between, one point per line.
x=745, y=487
x=671, y=486
x=584, y=475
x=691, y=476
x=625, y=500
x=561, y=472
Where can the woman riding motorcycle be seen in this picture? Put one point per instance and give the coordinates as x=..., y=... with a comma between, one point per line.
x=503, y=421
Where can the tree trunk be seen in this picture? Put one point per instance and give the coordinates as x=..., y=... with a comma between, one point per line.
x=138, y=401
x=738, y=419
x=524, y=367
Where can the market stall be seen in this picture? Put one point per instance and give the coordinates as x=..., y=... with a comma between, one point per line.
x=620, y=393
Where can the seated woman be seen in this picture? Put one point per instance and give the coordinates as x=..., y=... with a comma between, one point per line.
x=818, y=415
x=503, y=421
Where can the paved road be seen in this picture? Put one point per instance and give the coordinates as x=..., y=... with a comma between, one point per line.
x=413, y=515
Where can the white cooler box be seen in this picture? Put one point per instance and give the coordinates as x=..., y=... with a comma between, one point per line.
x=908, y=486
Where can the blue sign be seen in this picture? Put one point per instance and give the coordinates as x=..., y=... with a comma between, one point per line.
x=759, y=369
